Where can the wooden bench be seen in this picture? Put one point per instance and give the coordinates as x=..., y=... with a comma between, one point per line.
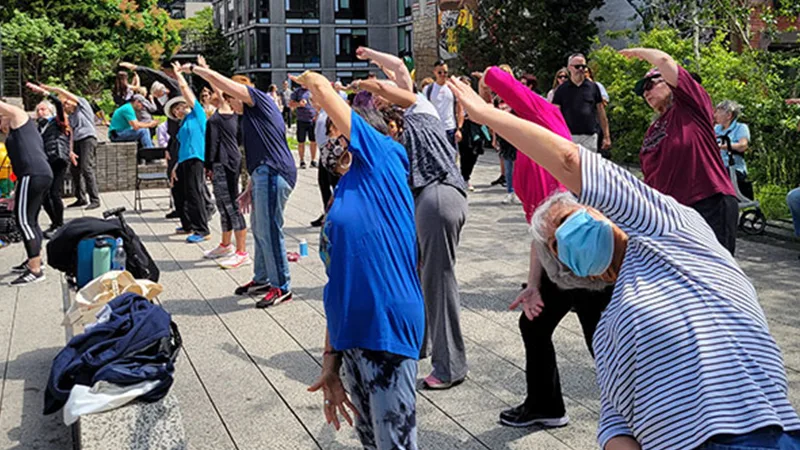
x=135, y=426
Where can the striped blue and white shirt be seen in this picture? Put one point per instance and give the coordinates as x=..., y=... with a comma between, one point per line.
x=683, y=350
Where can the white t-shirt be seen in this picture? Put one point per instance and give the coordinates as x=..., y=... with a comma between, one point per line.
x=442, y=98
x=422, y=106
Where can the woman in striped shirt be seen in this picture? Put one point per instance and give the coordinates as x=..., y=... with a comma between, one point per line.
x=684, y=356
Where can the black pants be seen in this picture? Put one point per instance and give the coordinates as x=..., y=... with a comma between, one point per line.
x=541, y=371
x=226, y=191
x=326, y=181
x=31, y=190
x=194, y=216
x=83, y=177
x=287, y=116
x=469, y=157
x=722, y=214
x=53, y=204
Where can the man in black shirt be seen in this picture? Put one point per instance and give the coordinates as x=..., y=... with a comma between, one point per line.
x=582, y=106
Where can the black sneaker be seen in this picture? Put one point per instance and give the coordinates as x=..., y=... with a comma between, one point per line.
x=20, y=268
x=522, y=416
x=78, y=204
x=314, y=164
x=48, y=233
x=253, y=288
x=93, y=206
x=273, y=297
x=318, y=223
x=28, y=277
x=302, y=164
x=500, y=180
x=172, y=215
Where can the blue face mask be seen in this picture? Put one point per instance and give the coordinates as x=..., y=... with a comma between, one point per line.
x=585, y=244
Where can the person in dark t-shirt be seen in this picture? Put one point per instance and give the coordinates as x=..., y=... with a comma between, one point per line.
x=34, y=176
x=582, y=106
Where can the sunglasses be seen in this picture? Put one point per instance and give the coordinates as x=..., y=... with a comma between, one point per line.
x=652, y=82
x=580, y=66
x=562, y=77
x=442, y=72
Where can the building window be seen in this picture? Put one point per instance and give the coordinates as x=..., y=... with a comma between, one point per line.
x=229, y=14
x=240, y=61
x=263, y=11
x=264, y=49
x=350, y=11
x=262, y=80
x=347, y=41
x=240, y=13
x=348, y=77
x=302, y=47
x=253, y=49
x=403, y=9
x=405, y=44
x=302, y=11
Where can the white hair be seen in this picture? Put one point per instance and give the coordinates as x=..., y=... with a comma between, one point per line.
x=157, y=86
x=50, y=107
x=573, y=56
x=730, y=106
x=542, y=230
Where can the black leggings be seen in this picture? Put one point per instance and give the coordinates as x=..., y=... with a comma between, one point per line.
x=326, y=181
x=53, y=204
x=31, y=190
x=194, y=215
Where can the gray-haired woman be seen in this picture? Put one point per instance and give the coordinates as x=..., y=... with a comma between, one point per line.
x=733, y=138
x=684, y=355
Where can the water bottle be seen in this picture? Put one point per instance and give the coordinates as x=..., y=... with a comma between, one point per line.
x=118, y=262
x=303, y=248
x=101, y=257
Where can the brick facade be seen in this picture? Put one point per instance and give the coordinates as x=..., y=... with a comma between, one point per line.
x=759, y=38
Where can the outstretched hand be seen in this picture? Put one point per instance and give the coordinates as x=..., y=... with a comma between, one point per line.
x=793, y=101
x=362, y=53
x=36, y=88
x=479, y=111
x=630, y=53
x=531, y=301
x=201, y=61
x=177, y=68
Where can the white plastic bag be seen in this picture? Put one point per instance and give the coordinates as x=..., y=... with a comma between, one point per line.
x=103, y=396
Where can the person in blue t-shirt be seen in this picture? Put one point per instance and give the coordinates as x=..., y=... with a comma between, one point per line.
x=272, y=178
x=301, y=102
x=191, y=155
x=373, y=299
x=726, y=116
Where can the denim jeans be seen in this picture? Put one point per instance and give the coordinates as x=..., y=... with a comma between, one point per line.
x=270, y=193
x=509, y=165
x=768, y=438
x=142, y=135
x=793, y=200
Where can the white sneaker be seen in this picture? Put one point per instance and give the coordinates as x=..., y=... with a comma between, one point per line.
x=220, y=251
x=510, y=199
x=470, y=187
x=236, y=260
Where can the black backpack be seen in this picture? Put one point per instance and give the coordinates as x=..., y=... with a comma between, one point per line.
x=62, y=250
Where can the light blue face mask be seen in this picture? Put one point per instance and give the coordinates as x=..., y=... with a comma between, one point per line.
x=585, y=244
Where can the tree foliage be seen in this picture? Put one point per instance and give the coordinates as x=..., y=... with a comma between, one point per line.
x=533, y=36
x=79, y=42
x=199, y=35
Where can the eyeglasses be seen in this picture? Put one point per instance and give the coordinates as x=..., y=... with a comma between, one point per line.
x=652, y=82
x=442, y=72
x=580, y=66
x=562, y=77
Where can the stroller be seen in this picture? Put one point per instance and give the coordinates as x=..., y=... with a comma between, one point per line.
x=751, y=220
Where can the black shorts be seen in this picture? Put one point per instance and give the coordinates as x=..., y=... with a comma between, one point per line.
x=722, y=214
x=305, y=129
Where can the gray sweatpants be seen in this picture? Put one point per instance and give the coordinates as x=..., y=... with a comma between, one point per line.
x=441, y=211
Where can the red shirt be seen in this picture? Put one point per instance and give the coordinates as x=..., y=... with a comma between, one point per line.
x=680, y=155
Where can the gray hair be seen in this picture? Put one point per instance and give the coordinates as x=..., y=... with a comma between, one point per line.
x=157, y=86
x=575, y=55
x=731, y=107
x=542, y=230
x=51, y=107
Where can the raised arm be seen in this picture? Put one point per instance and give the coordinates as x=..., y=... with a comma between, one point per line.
x=201, y=61
x=388, y=62
x=556, y=154
x=158, y=75
x=395, y=94
x=186, y=91
x=338, y=110
x=665, y=64
x=223, y=83
x=62, y=92
x=18, y=115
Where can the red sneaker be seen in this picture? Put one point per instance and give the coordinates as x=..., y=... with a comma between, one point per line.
x=273, y=297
